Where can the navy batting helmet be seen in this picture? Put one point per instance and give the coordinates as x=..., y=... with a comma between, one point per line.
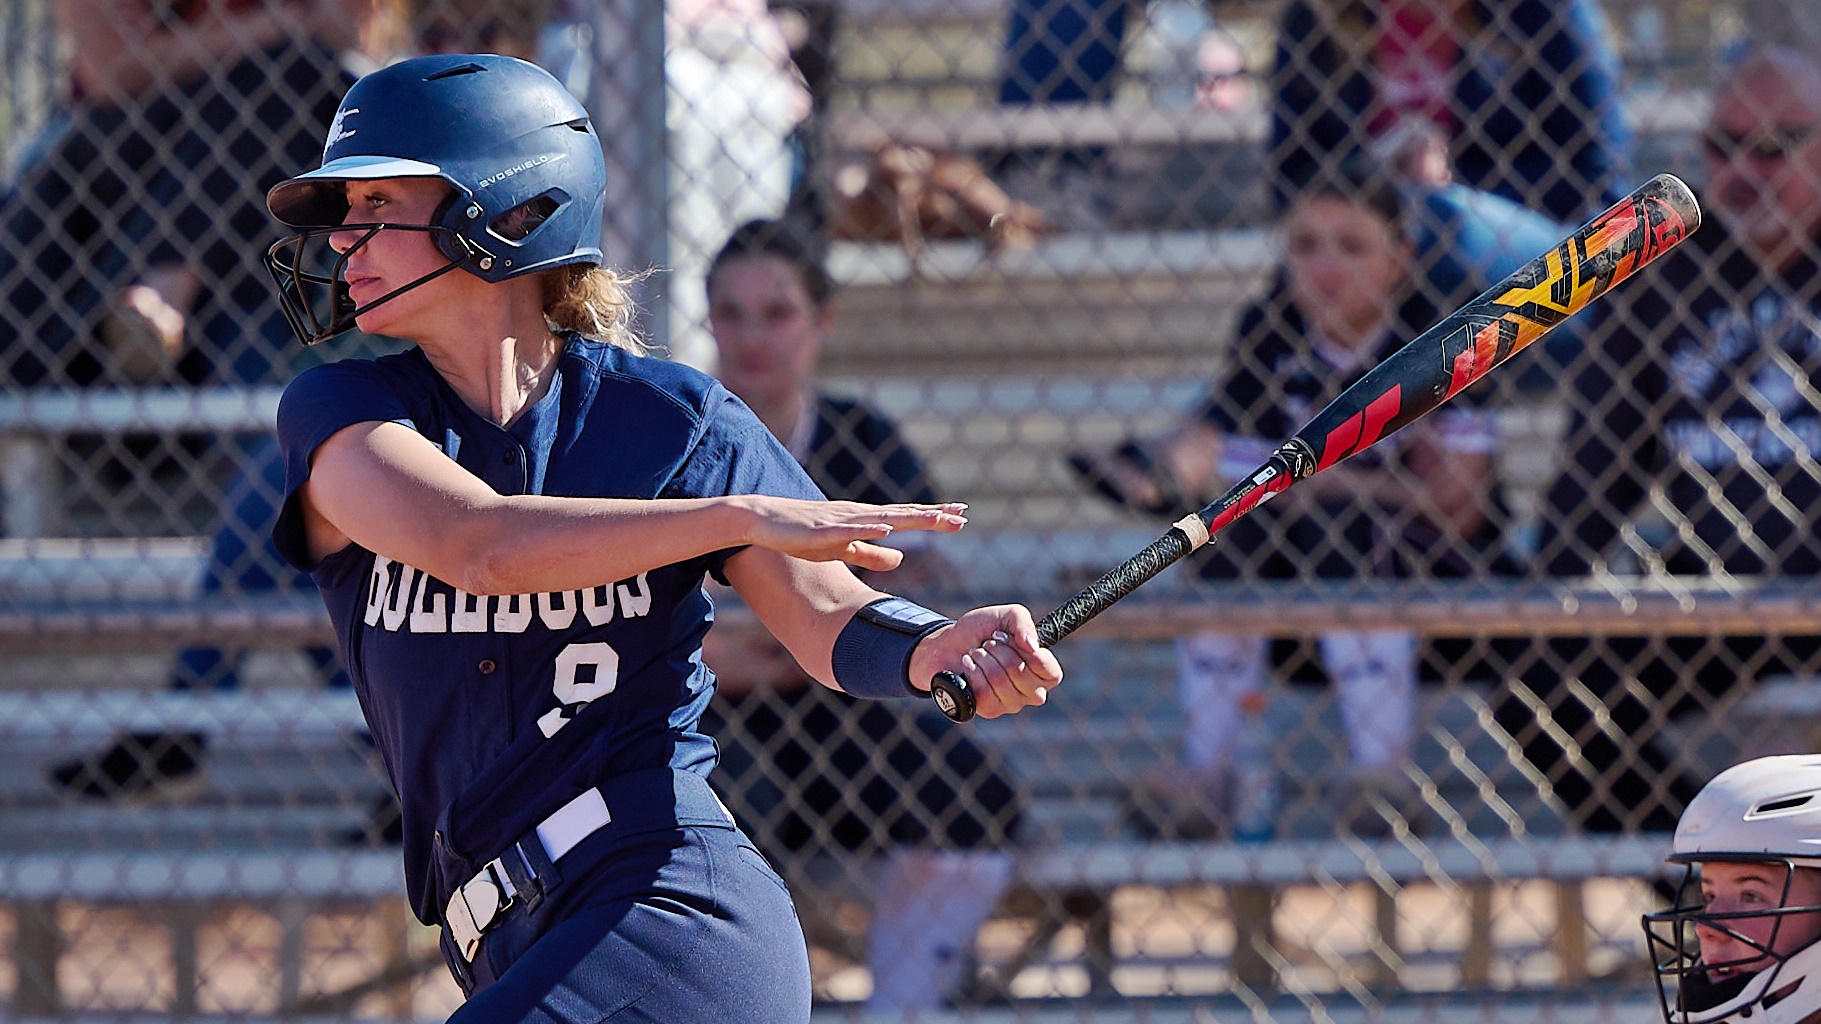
x=526, y=174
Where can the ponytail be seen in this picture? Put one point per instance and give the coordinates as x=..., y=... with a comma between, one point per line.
x=595, y=301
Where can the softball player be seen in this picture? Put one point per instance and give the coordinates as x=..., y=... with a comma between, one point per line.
x=1745, y=947
x=510, y=525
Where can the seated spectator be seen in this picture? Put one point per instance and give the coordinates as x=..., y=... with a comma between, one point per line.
x=1421, y=503
x=1705, y=388
x=1467, y=240
x=133, y=235
x=131, y=238
x=810, y=771
x=1525, y=93
x=1061, y=52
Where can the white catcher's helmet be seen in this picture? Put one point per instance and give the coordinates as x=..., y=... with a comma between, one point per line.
x=1762, y=811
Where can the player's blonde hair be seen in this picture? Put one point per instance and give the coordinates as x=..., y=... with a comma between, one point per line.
x=595, y=301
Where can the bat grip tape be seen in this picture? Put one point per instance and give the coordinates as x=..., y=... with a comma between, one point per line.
x=873, y=653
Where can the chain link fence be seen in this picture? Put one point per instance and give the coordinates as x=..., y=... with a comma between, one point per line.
x=1406, y=743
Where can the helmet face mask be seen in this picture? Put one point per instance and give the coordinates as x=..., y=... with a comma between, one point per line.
x=525, y=169
x=1749, y=985
x=312, y=277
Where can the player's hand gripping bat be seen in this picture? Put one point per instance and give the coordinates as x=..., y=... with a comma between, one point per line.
x=1436, y=366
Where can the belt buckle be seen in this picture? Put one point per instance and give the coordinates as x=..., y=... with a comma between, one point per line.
x=480, y=901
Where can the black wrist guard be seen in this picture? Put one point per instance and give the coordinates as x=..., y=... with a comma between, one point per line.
x=873, y=653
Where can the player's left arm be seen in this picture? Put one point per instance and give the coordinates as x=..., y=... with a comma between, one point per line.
x=807, y=605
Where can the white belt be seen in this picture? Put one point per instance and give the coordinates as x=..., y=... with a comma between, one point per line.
x=479, y=902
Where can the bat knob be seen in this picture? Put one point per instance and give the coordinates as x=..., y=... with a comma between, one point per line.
x=953, y=696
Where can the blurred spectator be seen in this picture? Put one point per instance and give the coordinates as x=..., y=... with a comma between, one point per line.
x=1422, y=502
x=1467, y=240
x=131, y=240
x=1525, y=92
x=1784, y=23
x=242, y=559
x=1705, y=388
x=1221, y=80
x=809, y=28
x=1062, y=51
x=509, y=27
x=735, y=101
x=1523, y=137
x=812, y=771
x=1069, y=51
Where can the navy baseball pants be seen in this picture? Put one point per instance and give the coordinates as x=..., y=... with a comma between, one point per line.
x=685, y=924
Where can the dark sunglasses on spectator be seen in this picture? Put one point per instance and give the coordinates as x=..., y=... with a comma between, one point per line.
x=1765, y=146
x=1209, y=79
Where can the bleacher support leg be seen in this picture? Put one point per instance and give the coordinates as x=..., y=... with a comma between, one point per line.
x=1476, y=961
x=1095, y=912
x=393, y=919
x=1254, y=936
x=1382, y=968
x=291, y=916
x=37, y=946
x=1571, y=932
x=183, y=918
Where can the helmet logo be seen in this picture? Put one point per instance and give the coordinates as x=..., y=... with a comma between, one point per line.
x=491, y=179
x=336, y=131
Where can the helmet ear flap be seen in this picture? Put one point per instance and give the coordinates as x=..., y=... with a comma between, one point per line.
x=457, y=216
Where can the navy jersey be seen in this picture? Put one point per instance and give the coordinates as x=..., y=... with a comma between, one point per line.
x=492, y=712
x=1706, y=385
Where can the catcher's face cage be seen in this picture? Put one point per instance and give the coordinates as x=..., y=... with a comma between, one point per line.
x=311, y=276
x=1687, y=989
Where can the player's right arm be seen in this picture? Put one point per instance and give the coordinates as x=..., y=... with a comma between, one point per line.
x=809, y=605
x=383, y=486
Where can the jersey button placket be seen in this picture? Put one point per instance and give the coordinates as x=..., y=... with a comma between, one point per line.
x=516, y=476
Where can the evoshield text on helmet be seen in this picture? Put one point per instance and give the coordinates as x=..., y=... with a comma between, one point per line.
x=526, y=174
x=1766, y=811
